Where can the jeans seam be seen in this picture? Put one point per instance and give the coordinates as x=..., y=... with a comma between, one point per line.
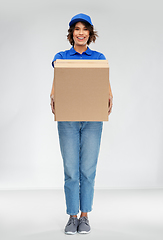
x=79, y=166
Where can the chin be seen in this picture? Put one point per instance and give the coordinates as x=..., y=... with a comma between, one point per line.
x=81, y=44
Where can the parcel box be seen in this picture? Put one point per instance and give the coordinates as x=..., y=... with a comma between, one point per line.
x=81, y=90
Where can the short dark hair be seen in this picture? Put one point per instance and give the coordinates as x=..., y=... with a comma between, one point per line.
x=92, y=33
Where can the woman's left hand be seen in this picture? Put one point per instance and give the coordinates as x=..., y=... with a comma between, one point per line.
x=110, y=104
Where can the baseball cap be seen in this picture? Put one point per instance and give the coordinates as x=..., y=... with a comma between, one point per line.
x=80, y=17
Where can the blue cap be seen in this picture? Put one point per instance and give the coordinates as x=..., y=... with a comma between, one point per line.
x=79, y=18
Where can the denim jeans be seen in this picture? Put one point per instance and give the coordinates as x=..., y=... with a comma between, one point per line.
x=79, y=145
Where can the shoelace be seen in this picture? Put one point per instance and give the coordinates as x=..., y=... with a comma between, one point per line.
x=71, y=220
x=84, y=219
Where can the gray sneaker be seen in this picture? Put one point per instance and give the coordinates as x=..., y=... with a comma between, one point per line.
x=84, y=226
x=71, y=226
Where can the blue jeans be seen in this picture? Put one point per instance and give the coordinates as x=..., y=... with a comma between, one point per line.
x=79, y=144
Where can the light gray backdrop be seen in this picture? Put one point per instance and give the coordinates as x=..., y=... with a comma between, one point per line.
x=131, y=38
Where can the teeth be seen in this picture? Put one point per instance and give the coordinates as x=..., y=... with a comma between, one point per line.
x=81, y=38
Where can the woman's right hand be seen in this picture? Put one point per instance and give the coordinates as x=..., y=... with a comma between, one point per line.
x=52, y=105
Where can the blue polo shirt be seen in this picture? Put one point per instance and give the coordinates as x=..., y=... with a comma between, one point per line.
x=72, y=54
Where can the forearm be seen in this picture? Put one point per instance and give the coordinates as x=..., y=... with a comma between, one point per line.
x=110, y=92
x=52, y=91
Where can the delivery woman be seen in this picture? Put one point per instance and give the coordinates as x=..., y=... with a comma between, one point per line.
x=79, y=141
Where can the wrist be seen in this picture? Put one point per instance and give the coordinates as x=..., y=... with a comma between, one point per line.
x=52, y=96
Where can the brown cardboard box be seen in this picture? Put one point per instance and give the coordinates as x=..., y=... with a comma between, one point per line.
x=81, y=90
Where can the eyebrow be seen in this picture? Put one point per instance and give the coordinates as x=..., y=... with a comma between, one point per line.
x=80, y=27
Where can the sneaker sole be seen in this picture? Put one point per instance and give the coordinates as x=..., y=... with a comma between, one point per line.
x=84, y=232
x=70, y=233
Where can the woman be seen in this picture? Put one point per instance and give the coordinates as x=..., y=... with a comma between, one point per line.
x=79, y=141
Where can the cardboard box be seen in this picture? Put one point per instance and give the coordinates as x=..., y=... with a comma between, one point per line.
x=81, y=90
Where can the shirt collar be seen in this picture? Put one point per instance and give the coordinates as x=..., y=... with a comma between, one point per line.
x=73, y=52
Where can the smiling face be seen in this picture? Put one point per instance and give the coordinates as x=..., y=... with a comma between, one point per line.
x=80, y=34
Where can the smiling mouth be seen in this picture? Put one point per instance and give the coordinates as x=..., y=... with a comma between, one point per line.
x=80, y=38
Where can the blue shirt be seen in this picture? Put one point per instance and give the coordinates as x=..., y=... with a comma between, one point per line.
x=72, y=54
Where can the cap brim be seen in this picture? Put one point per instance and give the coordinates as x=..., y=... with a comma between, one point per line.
x=78, y=20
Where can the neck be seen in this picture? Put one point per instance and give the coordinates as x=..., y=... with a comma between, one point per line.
x=80, y=49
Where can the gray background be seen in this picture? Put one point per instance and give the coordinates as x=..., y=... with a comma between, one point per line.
x=131, y=38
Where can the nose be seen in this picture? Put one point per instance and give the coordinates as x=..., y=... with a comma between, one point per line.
x=81, y=31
